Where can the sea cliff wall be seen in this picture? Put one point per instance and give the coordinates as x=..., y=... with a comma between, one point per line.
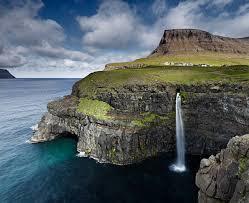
x=213, y=113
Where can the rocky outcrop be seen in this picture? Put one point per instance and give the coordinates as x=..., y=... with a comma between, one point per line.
x=213, y=113
x=225, y=177
x=180, y=41
x=5, y=74
x=112, y=141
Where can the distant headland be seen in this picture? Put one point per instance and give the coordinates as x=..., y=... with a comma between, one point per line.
x=5, y=74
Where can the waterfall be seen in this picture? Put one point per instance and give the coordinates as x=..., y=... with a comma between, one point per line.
x=179, y=166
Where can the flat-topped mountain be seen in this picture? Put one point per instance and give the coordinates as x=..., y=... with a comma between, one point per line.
x=179, y=41
x=188, y=47
x=5, y=74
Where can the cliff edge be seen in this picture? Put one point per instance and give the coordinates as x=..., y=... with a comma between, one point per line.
x=132, y=116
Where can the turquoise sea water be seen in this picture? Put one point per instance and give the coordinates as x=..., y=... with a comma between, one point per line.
x=51, y=172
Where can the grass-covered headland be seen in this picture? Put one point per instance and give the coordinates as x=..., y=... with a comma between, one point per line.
x=105, y=81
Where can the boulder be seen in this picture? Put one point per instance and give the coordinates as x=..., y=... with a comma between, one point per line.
x=225, y=177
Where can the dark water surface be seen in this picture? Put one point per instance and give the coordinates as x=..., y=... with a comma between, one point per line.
x=51, y=172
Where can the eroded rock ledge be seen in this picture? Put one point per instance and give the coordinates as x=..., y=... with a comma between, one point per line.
x=225, y=177
x=141, y=122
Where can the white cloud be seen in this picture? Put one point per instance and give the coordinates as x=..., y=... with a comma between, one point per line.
x=117, y=32
x=9, y=60
x=190, y=14
x=117, y=26
x=20, y=25
x=114, y=26
x=221, y=3
x=159, y=8
x=47, y=50
x=32, y=42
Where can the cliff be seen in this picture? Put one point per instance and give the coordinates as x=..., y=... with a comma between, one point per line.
x=180, y=41
x=132, y=116
x=5, y=74
x=225, y=177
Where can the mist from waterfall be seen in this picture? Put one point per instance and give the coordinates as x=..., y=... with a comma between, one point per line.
x=179, y=166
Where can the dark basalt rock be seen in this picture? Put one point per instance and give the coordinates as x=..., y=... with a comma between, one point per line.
x=225, y=177
x=110, y=141
x=213, y=113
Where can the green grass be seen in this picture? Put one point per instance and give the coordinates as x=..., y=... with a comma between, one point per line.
x=101, y=111
x=204, y=58
x=107, y=81
x=146, y=119
x=243, y=165
x=95, y=108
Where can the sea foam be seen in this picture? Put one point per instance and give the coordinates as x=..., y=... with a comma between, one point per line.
x=81, y=154
x=34, y=127
x=28, y=141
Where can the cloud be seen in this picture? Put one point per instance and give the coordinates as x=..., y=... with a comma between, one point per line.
x=21, y=25
x=114, y=26
x=9, y=60
x=118, y=31
x=221, y=3
x=159, y=8
x=46, y=50
x=190, y=14
x=28, y=40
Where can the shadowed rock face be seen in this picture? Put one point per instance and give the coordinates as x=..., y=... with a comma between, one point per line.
x=225, y=177
x=213, y=113
x=180, y=41
x=5, y=74
x=109, y=141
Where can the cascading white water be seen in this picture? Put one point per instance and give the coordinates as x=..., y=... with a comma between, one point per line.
x=179, y=166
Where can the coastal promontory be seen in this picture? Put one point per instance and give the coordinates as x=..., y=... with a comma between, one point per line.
x=5, y=74
x=126, y=115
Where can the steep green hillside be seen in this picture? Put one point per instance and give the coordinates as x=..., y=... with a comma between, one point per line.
x=107, y=81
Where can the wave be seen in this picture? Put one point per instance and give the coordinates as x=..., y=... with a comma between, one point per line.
x=28, y=141
x=81, y=154
x=34, y=127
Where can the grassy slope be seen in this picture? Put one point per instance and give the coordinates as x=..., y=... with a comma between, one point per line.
x=104, y=81
x=207, y=58
x=95, y=108
x=107, y=81
x=102, y=111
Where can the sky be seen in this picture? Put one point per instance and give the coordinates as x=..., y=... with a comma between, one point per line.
x=72, y=38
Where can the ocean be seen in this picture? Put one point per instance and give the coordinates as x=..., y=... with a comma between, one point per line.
x=51, y=171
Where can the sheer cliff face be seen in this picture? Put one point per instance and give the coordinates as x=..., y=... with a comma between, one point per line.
x=213, y=113
x=141, y=105
x=180, y=41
